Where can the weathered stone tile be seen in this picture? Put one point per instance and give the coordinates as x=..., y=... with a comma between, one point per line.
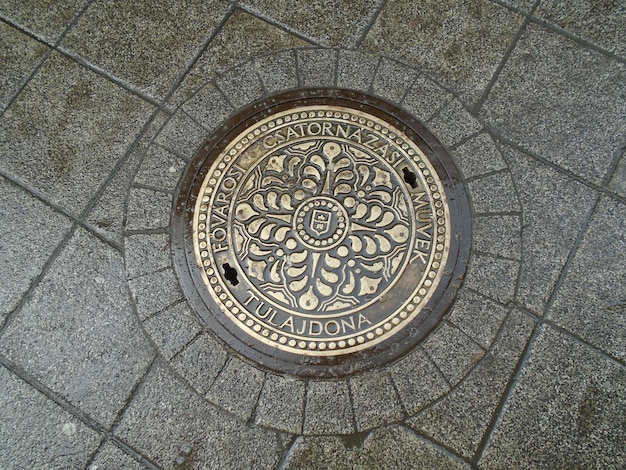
x=479, y=155
x=153, y=292
x=148, y=209
x=146, y=253
x=392, y=80
x=566, y=411
x=494, y=193
x=172, y=329
x=356, y=70
x=562, y=101
x=200, y=362
x=174, y=427
x=418, y=381
x=281, y=404
x=37, y=433
x=493, y=277
x=391, y=447
x=67, y=129
x=498, y=235
x=453, y=124
x=331, y=24
x=77, y=333
x=618, y=181
x=111, y=456
x=160, y=168
x=278, y=71
x=452, y=351
x=241, y=84
x=317, y=67
x=375, y=401
x=237, y=388
x=592, y=300
x=208, y=107
x=328, y=409
x=148, y=44
x=243, y=36
x=425, y=98
x=19, y=55
x=46, y=19
x=462, y=43
x=460, y=419
x=555, y=208
x=29, y=233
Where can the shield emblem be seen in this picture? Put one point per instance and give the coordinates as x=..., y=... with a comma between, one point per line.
x=320, y=221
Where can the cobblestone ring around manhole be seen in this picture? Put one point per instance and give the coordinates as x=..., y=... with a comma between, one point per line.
x=320, y=232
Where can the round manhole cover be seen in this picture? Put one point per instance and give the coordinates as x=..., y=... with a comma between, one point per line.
x=321, y=232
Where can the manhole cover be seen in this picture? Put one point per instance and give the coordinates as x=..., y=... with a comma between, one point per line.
x=321, y=232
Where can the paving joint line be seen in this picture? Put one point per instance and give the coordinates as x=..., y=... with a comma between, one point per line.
x=471, y=179
x=371, y=23
x=451, y=453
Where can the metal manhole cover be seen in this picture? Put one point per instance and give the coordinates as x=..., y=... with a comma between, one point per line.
x=321, y=232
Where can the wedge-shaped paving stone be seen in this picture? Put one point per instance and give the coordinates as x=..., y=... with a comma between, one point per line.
x=478, y=317
x=67, y=129
x=555, y=208
x=182, y=135
x=453, y=352
x=618, y=181
x=77, y=334
x=418, y=381
x=147, y=253
x=375, y=400
x=493, y=277
x=160, y=168
x=148, y=44
x=355, y=70
x=317, y=67
x=38, y=433
x=200, y=362
x=172, y=329
x=29, y=233
x=243, y=36
x=208, y=107
x=278, y=71
x=459, y=420
x=148, y=209
x=281, y=404
x=425, y=98
x=237, y=388
x=498, y=235
x=19, y=55
x=494, y=193
x=241, y=84
x=328, y=409
x=592, y=300
x=111, y=456
x=44, y=18
x=393, y=80
x=391, y=447
x=562, y=101
x=154, y=292
x=454, y=124
x=566, y=410
x=462, y=43
x=478, y=156
x=108, y=211
x=173, y=427
x=330, y=24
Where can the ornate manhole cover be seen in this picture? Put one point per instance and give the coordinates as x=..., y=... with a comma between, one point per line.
x=321, y=232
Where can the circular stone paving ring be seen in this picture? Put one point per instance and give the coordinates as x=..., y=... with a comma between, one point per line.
x=321, y=232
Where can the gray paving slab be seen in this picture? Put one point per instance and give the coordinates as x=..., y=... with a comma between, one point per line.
x=146, y=44
x=618, y=180
x=478, y=155
x=176, y=428
x=462, y=43
x=356, y=70
x=493, y=193
x=330, y=24
x=375, y=400
x=460, y=419
x=317, y=67
x=29, y=233
x=38, y=433
x=160, y=169
x=563, y=101
x=602, y=23
x=425, y=98
x=209, y=107
x=328, y=409
x=554, y=210
x=498, y=235
x=494, y=277
x=47, y=19
x=172, y=329
x=591, y=302
x=154, y=292
x=454, y=124
x=241, y=85
x=146, y=253
x=243, y=36
x=393, y=80
x=110, y=456
x=565, y=411
x=77, y=333
x=277, y=71
x=281, y=404
x=67, y=129
x=391, y=447
x=148, y=209
x=19, y=56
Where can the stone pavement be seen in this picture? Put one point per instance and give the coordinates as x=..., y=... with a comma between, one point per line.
x=103, y=364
